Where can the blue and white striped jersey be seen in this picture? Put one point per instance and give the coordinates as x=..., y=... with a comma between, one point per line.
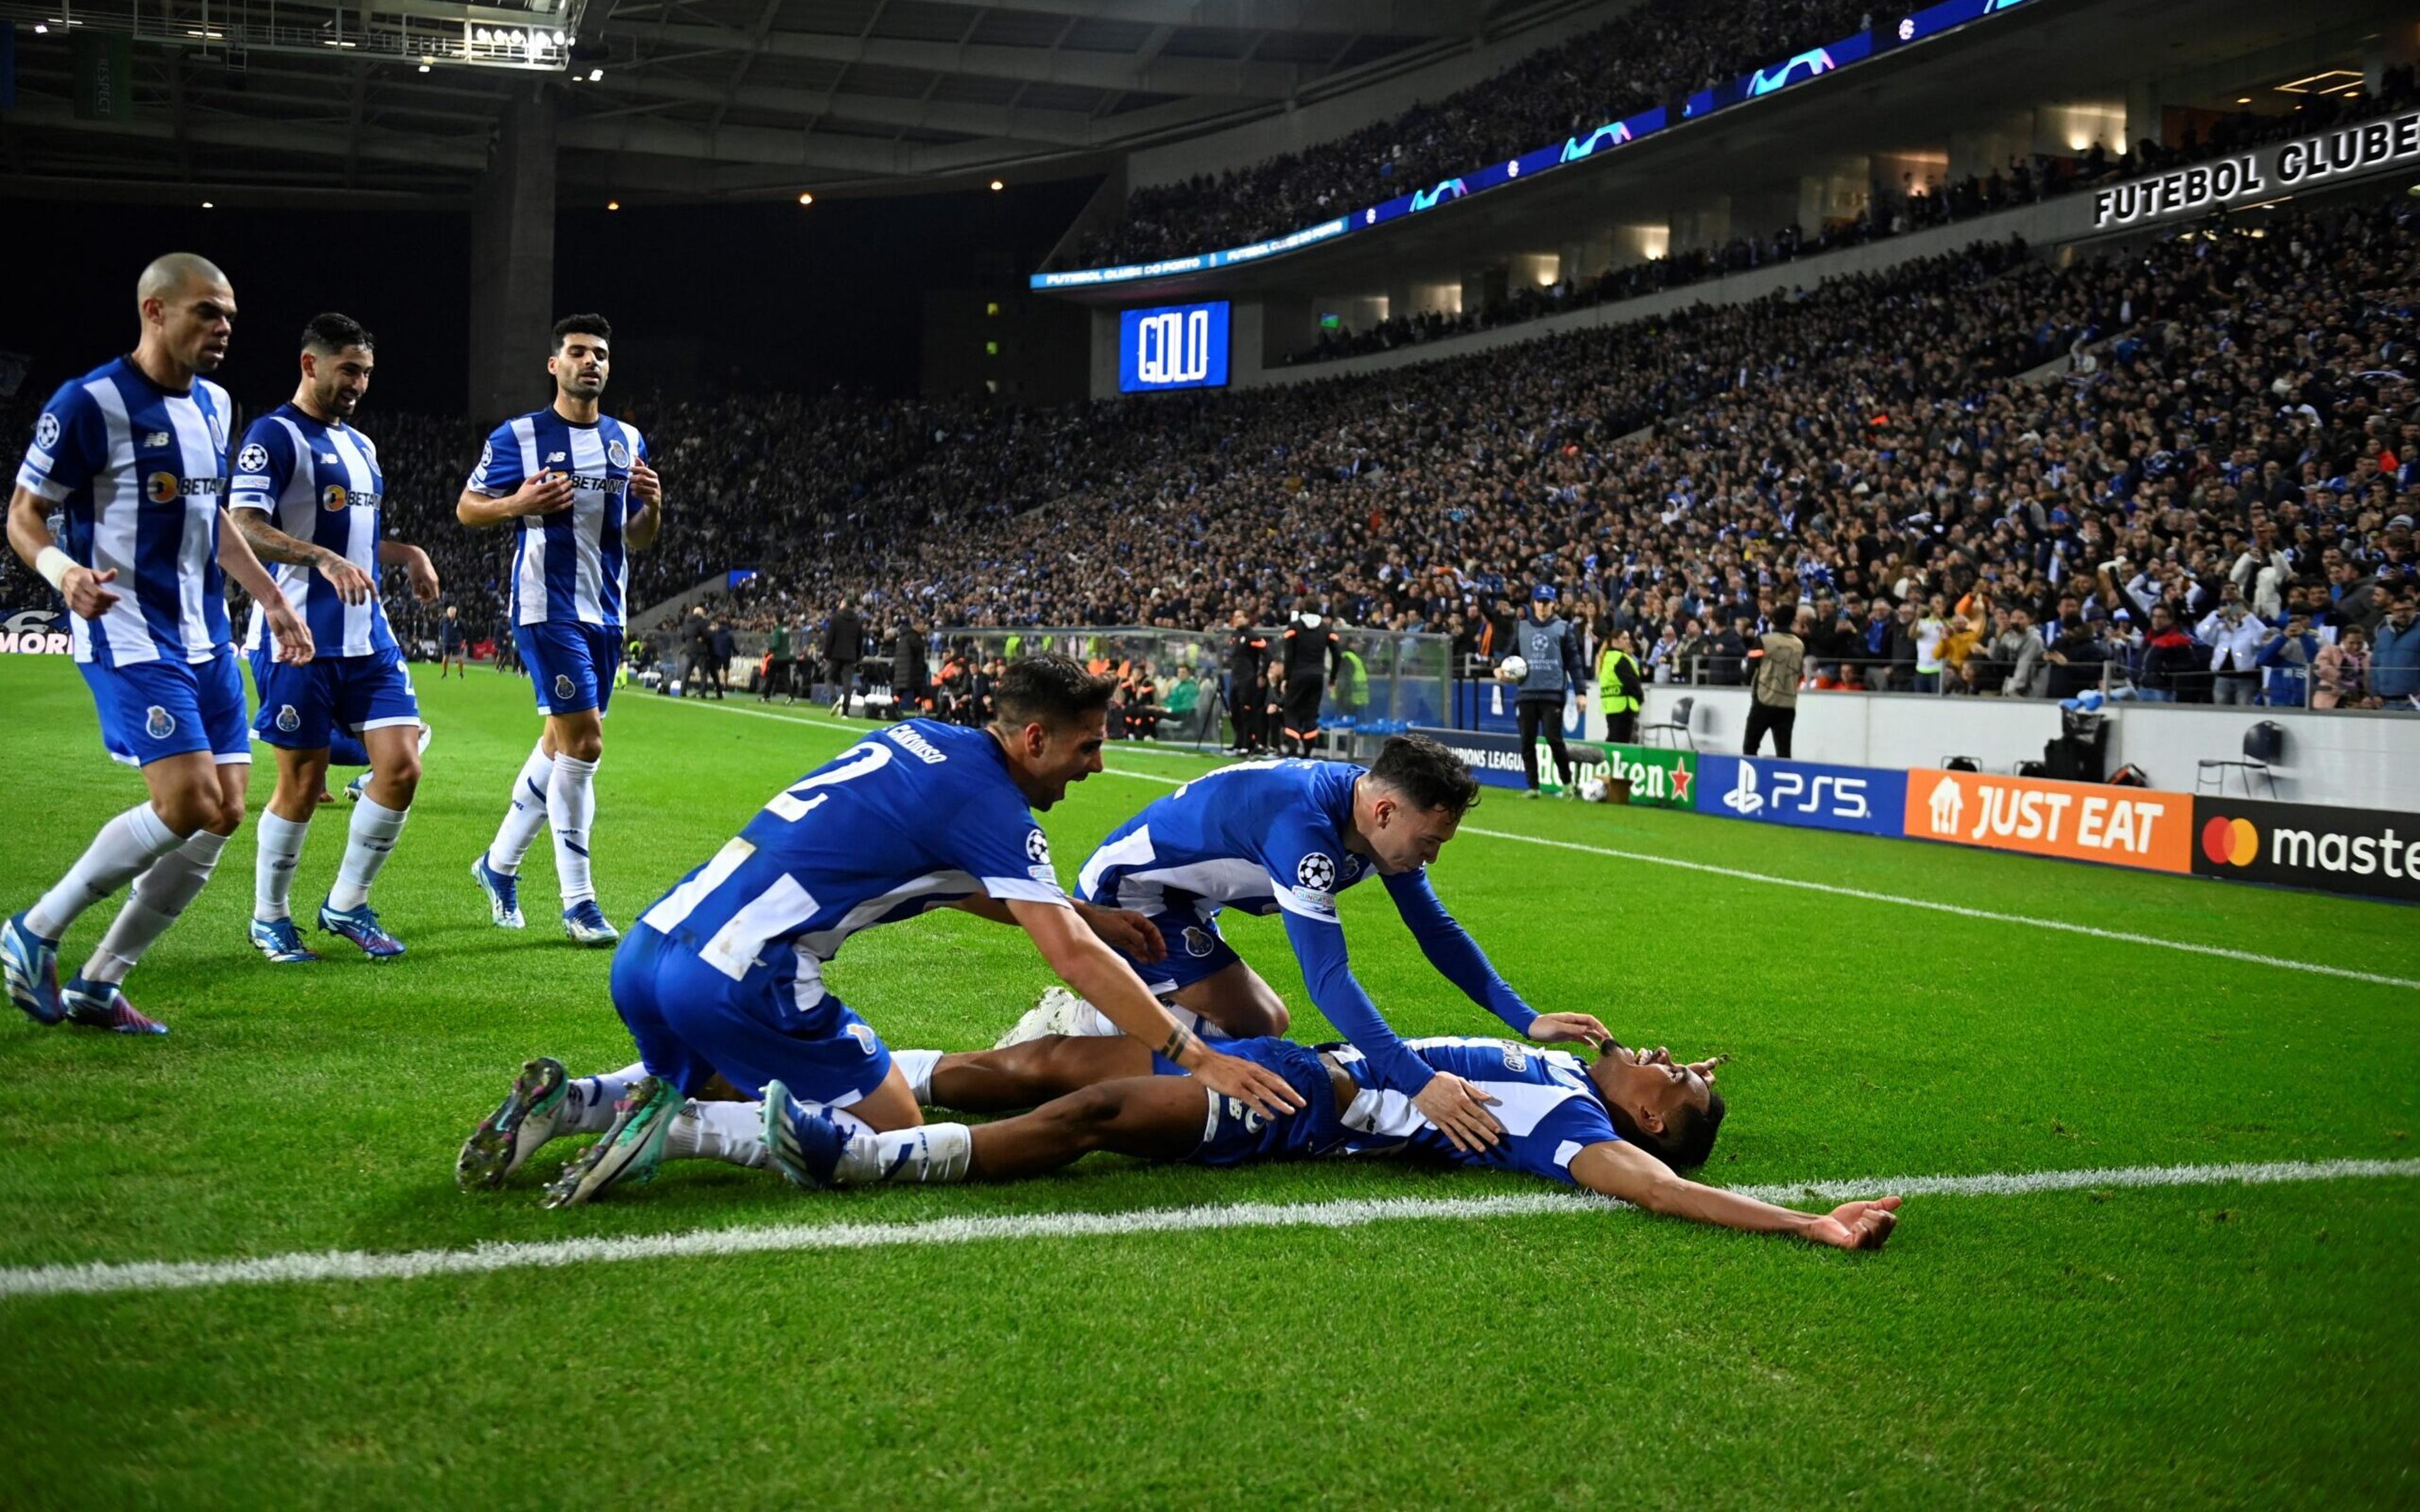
x=317, y=483
x=1268, y=837
x=914, y=818
x=1548, y=1106
x=568, y=567
x=139, y=473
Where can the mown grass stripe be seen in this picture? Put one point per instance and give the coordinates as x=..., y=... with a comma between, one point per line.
x=353, y=1265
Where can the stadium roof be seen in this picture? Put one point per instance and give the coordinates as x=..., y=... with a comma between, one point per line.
x=259, y=100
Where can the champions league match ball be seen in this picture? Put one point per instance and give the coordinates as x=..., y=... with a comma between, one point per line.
x=1513, y=669
x=1592, y=790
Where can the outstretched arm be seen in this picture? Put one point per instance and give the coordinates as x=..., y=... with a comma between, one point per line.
x=1457, y=1107
x=1618, y=1169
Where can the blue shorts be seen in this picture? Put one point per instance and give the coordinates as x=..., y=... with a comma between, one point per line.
x=1196, y=950
x=1235, y=1135
x=692, y=1022
x=302, y=707
x=571, y=665
x=156, y=709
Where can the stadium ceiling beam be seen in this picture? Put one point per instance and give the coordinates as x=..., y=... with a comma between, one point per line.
x=809, y=150
x=460, y=153
x=1036, y=128
x=1030, y=65
x=1399, y=18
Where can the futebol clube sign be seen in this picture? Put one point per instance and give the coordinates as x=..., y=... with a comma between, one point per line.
x=2279, y=169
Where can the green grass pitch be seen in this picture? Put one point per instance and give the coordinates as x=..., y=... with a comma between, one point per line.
x=2253, y=1346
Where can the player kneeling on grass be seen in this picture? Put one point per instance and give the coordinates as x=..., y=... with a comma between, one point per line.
x=1624, y=1126
x=722, y=982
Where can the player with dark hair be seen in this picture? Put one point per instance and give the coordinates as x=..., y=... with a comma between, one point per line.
x=1626, y=1126
x=1308, y=654
x=576, y=486
x=134, y=458
x=722, y=982
x=1286, y=838
x=307, y=496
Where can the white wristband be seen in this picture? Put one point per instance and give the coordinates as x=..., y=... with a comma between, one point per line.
x=52, y=564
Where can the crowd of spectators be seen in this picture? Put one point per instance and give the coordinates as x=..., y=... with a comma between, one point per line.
x=1912, y=205
x=2237, y=425
x=1658, y=53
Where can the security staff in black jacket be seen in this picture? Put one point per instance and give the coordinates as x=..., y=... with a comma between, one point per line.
x=1311, y=651
x=1247, y=660
x=1551, y=645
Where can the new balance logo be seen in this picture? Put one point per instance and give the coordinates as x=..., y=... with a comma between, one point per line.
x=158, y=438
x=555, y=456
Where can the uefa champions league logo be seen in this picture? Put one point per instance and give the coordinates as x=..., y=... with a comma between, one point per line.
x=1037, y=847
x=46, y=431
x=1316, y=873
x=159, y=724
x=253, y=459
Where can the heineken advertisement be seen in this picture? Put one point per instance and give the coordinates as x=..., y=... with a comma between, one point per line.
x=1659, y=778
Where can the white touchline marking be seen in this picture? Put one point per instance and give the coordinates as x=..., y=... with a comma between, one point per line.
x=1987, y=916
x=2223, y=952
x=356, y=1265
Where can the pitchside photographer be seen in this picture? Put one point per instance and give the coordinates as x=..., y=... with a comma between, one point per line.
x=1551, y=646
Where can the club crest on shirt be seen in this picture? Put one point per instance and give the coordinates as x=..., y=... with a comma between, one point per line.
x=218, y=434
x=159, y=724
x=1317, y=873
x=46, y=431
x=863, y=1035
x=253, y=459
x=617, y=453
x=1197, y=943
x=1037, y=847
x=563, y=689
x=287, y=719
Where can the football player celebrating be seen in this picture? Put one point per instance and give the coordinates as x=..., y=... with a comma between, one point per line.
x=1286, y=838
x=720, y=981
x=576, y=489
x=307, y=496
x=1625, y=1126
x=133, y=456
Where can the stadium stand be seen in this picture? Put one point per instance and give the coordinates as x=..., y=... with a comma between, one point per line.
x=2233, y=415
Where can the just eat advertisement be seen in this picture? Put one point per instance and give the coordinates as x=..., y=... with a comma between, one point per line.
x=2073, y=820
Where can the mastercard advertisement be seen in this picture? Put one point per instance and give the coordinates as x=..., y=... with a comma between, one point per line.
x=2370, y=852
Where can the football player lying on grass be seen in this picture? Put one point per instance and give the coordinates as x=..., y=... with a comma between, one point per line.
x=1624, y=1126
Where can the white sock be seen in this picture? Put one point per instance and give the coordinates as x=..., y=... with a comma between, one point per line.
x=273, y=873
x=929, y=1152
x=367, y=843
x=571, y=803
x=124, y=847
x=732, y=1133
x=588, y=1108
x=1090, y=1024
x=159, y=894
x=526, y=816
x=917, y=1066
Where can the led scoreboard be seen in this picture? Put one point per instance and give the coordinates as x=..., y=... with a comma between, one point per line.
x=1172, y=347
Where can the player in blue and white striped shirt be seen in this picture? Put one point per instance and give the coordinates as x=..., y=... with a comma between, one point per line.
x=133, y=456
x=1624, y=1126
x=577, y=490
x=307, y=496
